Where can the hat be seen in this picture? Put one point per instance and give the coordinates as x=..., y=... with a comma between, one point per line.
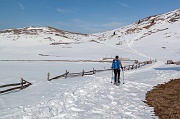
x=117, y=57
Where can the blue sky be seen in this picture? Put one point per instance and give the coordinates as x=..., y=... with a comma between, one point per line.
x=83, y=16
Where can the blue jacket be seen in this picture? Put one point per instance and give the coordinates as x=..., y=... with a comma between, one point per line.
x=116, y=64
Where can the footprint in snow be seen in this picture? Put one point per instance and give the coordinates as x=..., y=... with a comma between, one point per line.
x=76, y=109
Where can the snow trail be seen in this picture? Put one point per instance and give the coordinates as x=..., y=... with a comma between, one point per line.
x=98, y=98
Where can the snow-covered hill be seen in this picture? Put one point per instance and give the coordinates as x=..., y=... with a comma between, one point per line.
x=91, y=97
x=161, y=30
x=39, y=34
x=143, y=28
x=158, y=33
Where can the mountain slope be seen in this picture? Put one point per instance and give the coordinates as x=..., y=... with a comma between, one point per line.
x=142, y=28
x=158, y=31
x=40, y=34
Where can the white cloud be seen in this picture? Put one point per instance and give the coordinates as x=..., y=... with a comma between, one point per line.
x=64, y=10
x=123, y=4
x=63, y=23
x=112, y=25
x=77, y=20
x=21, y=5
x=82, y=26
x=95, y=27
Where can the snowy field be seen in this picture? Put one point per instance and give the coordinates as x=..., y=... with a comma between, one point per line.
x=94, y=96
x=89, y=97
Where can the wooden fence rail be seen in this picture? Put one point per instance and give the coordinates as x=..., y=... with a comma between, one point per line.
x=173, y=62
x=23, y=84
x=15, y=84
x=83, y=73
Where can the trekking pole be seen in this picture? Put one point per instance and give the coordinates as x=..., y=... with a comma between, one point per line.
x=123, y=76
x=112, y=76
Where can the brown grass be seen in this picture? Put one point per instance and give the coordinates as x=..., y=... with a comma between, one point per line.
x=165, y=98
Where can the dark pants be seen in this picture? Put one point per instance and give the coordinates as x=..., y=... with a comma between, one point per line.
x=116, y=75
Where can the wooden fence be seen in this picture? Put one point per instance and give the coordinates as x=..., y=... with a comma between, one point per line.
x=173, y=62
x=138, y=64
x=70, y=75
x=23, y=84
x=83, y=73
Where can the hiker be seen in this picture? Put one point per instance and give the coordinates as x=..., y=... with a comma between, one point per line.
x=114, y=33
x=116, y=65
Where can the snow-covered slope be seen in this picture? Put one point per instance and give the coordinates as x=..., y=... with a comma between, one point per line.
x=39, y=34
x=91, y=97
x=143, y=28
x=161, y=31
x=158, y=33
x=22, y=41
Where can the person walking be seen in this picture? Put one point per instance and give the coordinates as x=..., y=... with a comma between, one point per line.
x=116, y=65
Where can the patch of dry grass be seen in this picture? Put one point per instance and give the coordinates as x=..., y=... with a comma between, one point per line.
x=165, y=98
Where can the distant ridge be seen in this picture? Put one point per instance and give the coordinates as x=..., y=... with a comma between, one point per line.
x=146, y=27
x=147, y=22
x=31, y=30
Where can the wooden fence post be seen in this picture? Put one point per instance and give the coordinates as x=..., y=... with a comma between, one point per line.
x=138, y=65
x=136, y=61
x=48, y=75
x=128, y=67
x=132, y=67
x=21, y=81
x=66, y=74
x=83, y=72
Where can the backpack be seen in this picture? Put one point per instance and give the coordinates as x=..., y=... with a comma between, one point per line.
x=116, y=64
